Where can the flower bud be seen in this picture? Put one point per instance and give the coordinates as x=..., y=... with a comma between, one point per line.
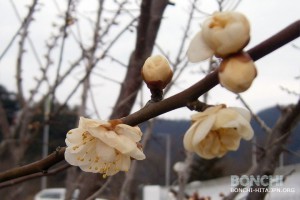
x=237, y=72
x=222, y=34
x=156, y=72
x=226, y=33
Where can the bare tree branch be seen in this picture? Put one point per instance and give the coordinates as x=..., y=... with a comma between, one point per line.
x=36, y=167
x=274, y=146
x=261, y=123
x=26, y=23
x=34, y=176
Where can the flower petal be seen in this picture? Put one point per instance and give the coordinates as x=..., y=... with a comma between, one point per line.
x=188, y=137
x=203, y=130
x=198, y=49
x=74, y=136
x=86, y=123
x=208, y=111
x=242, y=126
x=105, y=152
x=137, y=154
x=230, y=139
x=224, y=116
x=245, y=113
x=133, y=133
x=119, y=142
x=204, y=148
x=123, y=163
x=75, y=159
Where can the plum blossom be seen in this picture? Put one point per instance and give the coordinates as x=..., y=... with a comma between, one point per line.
x=237, y=72
x=222, y=34
x=157, y=72
x=217, y=130
x=103, y=147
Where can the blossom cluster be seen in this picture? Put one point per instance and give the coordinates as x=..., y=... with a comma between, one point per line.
x=107, y=147
x=219, y=129
x=224, y=35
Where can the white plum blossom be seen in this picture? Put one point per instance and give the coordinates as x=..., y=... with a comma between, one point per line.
x=217, y=130
x=237, y=72
x=157, y=72
x=222, y=34
x=103, y=147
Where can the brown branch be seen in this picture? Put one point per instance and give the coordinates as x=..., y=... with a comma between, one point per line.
x=21, y=50
x=62, y=47
x=179, y=100
x=34, y=176
x=283, y=37
x=36, y=167
x=194, y=92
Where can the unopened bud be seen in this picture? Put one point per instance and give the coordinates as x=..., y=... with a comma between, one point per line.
x=157, y=72
x=237, y=72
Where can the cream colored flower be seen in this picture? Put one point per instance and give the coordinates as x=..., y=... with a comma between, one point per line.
x=222, y=34
x=103, y=147
x=217, y=130
x=237, y=72
x=157, y=72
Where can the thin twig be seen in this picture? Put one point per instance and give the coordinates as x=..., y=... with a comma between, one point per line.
x=261, y=123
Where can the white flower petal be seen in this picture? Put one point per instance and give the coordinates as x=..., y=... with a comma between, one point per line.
x=203, y=129
x=245, y=113
x=133, y=133
x=242, y=126
x=74, y=159
x=94, y=167
x=123, y=163
x=137, y=154
x=198, y=49
x=74, y=136
x=224, y=116
x=105, y=152
x=86, y=123
x=188, y=137
x=208, y=111
x=119, y=142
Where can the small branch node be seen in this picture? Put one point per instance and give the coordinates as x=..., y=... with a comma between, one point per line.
x=197, y=105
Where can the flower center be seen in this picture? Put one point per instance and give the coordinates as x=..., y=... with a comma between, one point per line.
x=218, y=22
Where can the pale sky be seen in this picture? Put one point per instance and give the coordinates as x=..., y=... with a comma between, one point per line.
x=266, y=17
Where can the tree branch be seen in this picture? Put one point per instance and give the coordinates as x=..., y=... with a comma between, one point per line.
x=36, y=167
x=274, y=146
x=33, y=176
x=179, y=100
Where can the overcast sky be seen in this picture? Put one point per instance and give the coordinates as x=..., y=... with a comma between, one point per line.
x=266, y=16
